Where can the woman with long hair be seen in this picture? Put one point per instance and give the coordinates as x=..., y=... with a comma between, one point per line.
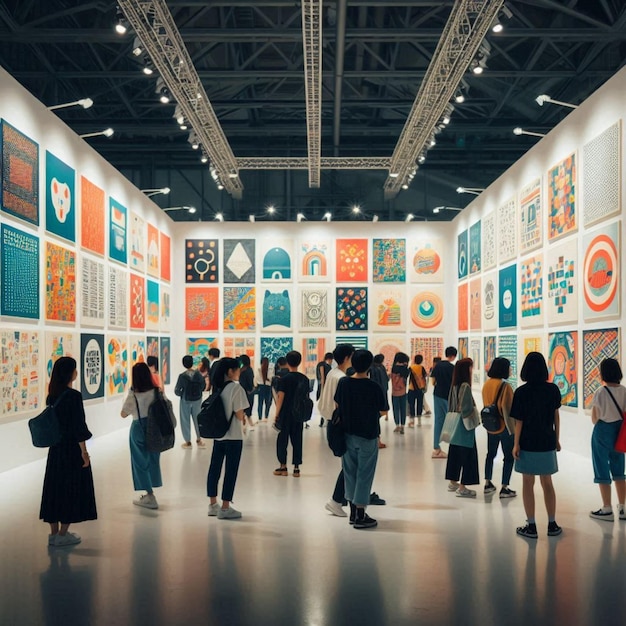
x=145, y=465
x=229, y=447
x=204, y=367
x=417, y=387
x=462, y=463
x=399, y=375
x=68, y=494
x=263, y=380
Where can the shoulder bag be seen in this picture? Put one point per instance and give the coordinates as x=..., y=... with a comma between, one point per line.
x=44, y=429
x=452, y=420
x=335, y=435
x=490, y=416
x=620, y=442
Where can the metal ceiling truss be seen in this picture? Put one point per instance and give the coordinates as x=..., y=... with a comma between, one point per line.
x=155, y=27
x=325, y=163
x=465, y=30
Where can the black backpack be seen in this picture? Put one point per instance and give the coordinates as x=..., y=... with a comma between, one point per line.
x=212, y=421
x=302, y=407
x=490, y=416
x=194, y=388
x=160, y=424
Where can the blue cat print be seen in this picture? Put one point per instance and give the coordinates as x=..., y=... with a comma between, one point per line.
x=276, y=309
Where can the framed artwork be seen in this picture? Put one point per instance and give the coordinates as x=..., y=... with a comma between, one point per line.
x=60, y=198
x=153, y=251
x=532, y=344
x=562, y=365
x=490, y=349
x=507, y=309
x=597, y=345
x=313, y=351
x=19, y=158
x=58, y=344
x=388, y=346
x=602, y=275
x=488, y=242
x=389, y=260
x=562, y=283
x=463, y=306
x=152, y=305
x=427, y=309
x=236, y=346
x=531, y=291
x=507, y=348
x=137, y=243
x=118, y=298
x=462, y=255
x=137, y=350
x=475, y=301
x=277, y=260
x=202, y=308
x=602, y=175
x=314, y=309
x=428, y=347
x=198, y=347
x=240, y=309
x=314, y=259
x=165, y=308
x=165, y=249
x=137, y=302
x=92, y=366
x=507, y=231
x=352, y=260
x=463, y=347
x=351, y=309
x=19, y=256
x=276, y=310
x=389, y=307
x=358, y=342
x=489, y=304
x=475, y=353
x=20, y=378
x=562, y=198
x=60, y=283
x=164, y=361
x=201, y=260
x=425, y=262
x=117, y=231
x=116, y=374
x=275, y=347
x=91, y=217
x=475, y=250
x=152, y=346
x=530, y=216
x=239, y=261
x=92, y=292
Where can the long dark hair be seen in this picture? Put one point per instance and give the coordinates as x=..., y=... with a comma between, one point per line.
x=142, y=378
x=221, y=369
x=534, y=369
x=265, y=366
x=61, y=377
x=461, y=373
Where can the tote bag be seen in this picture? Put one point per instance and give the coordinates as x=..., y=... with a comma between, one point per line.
x=450, y=425
x=620, y=442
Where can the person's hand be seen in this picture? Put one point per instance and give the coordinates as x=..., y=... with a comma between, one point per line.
x=558, y=446
x=86, y=460
x=516, y=452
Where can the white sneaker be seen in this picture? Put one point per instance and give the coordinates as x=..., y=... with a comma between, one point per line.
x=68, y=539
x=228, y=513
x=147, y=501
x=453, y=485
x=52, y=539
x=622, y=514
x=465, y=493
x=335, y=508
x=214, y=509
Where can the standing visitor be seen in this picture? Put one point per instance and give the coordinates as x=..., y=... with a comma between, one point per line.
x=204, y=368
x=399, y=375
x=214, y=359
x=246, y=380
x=189, y=388
x=263, y=380
x=442, y=380
x=321, y=371
x=417, y=387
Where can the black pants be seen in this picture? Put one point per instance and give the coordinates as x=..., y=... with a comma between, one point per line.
x=462, y=465
x=291, y=431
x=339, y=495
x=231, y=451
x=416, y=402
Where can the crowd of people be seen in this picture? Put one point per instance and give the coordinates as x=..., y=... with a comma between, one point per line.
x=353, y=395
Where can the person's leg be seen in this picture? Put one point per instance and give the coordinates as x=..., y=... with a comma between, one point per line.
x=620, y=487
x=419, y=396
x=395, y=405
x=601, y=449
x=295, y=434
x=233, y=458
x=507, y=442
x=349, y=464
x=184, y=417
x=154, y=470
x=139, y=458
x=339, y=494
x=367, y=457
x=549, y=496
x=469, y=467
x=412, y=404
x=194, y=410
x=492, y=449
x=402, y=412
x=441, y=408
x=528, y=496
x=215, y=470
x=281, y=446
x=268, y=401
x=453, y=464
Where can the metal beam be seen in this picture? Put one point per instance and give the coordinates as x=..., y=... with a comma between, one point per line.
x=301, y=163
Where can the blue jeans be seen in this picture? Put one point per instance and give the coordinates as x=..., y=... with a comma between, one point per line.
x=189, y=411
x=264, y=397
x=359, y=466
x=441, y=408
x=606, y=461
x=398, y=404
x=145, y=465
x=493, y=441
x=416, y=402
x=229, y=449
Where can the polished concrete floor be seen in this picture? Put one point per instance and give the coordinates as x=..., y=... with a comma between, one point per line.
x=434, y=558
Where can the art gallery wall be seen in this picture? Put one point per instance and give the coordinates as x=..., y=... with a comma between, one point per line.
x=574, y=320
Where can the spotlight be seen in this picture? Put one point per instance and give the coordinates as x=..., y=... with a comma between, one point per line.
x=219, y=217
x=545, y=98
x=183, y=126
x=374, y=218
x=233, y=174
x=220, y=186
x=147, y=70
x=271, y=209
x=137, y=49
x=189, y=209
x=497, y=27
x=154, y=192
x=405, y=186
x=393, y=174
x=84, y=102
x=164, y=97
x=521, y=131
x=193, y=140
x=120, y=22
x=251, y=218
x=409, y=217
x=107, y=132
x=300, y=217
x=421, y=159
x=459, y=98
x=328, y=216
x=473, y=190
x=204, y=158
x=356, y=209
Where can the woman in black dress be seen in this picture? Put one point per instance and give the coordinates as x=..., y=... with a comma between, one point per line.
x=68, y=495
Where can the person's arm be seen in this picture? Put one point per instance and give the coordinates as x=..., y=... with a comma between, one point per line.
x=280, y=396
x=240, y=415
x=518, y=433
x=557, y=429
x=179, y=390
x=129, y=404
x=595, y=415
x=322, y=376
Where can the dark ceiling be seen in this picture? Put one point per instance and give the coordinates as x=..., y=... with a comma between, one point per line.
x=249, y=56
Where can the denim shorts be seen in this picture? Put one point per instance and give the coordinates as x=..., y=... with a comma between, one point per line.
x=607, y=462
x=537, y=463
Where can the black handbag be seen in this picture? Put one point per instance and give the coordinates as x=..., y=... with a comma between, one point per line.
x=44, y=429
x=335, y=435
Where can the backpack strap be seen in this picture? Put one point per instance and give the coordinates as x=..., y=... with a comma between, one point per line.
x=500, y=390
x=413, y=380
x=621, y=413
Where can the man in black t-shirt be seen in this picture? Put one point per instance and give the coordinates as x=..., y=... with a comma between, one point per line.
x=286, y=421
x=442, y=377
x=214, y=359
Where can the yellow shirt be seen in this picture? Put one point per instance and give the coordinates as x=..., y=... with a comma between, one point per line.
x=490, y=391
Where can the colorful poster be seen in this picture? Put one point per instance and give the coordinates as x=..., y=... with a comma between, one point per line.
x=91, y=217
x=165, y=249
x=597, y=345
x=276, y=310
x=507, y=231
x=277, y=260
x=165, y=306
x=19, y=254
x=60, y=283
x=152, y=305
x=426, y=308
x=475, y=301
x=507, y=348
x=488, y=242
x=507, y=310
x=388, y=346
x=153, y=251
x=314, y=260
x=202, y=308
x=137, y=302
x=201, y=260
x=562, y=198
x=118, y=298
x=463, y=348
x=389, y=307
x=425, y=261
x=313, y=351
x=532, y=344
x=58, y=344
x=137, y=350
x=240, y=308
x=562, y=283
x=531, y=291
x=198, y=347
x=601, y=273
x=152, y=346
x=117, y=231
x=462, y=255
x=474, y=248
x=531, y=236
x=234, y=347
x=428, y=347
x=389, y=260
x=164, y=361
x=20, y=383
x=60, y=198
x=275, y=347
x=562, y=365
x=116, y=365
x=19, y=170
x=474, y=354
x=92, y=366
x=92, y=292
x=137, y=243
x=490, y=301
x=351, y=309
x=239, y=264
x=352, y=260
x=489, y=351
x=314, y=309
x=358, y=342
x=463, y=307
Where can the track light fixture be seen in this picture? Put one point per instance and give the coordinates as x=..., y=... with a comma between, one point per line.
x=505, y=13
x=84, y=102
x=107, y=132
x=271, y=209
x=374, y=218
x=356, y=209
x=328, y=216
x=204, y=158
x=252, y=218
x=439, y=209
x=155, y=192
x=189, y=209
x=219, y=217
x=459, y=97
x=405, y=186
x=409, y=217
x=473, y=190
x=120, y=22
x=300, y=217
x=178, y=115
x=521, y=131
x=545, y=98
x=193, y=140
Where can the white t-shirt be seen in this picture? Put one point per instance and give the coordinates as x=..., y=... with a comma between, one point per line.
x=144, y=399
x=235, y=399
x=606, y=409
x=326, y=403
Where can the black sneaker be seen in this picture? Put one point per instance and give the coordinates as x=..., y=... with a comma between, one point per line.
x=376, y=499
x=602, y=515
x=505, y=492
x=489, y=488
x=554, y=529
x=365, y=522
x=352, y=514
x=321, y=422
x=529, y=531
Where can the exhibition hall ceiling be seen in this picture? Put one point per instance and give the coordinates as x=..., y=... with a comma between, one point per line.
x=249, y=57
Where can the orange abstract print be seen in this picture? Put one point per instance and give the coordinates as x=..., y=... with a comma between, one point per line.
x=91, y=216
x=153, y=251
x=201, y=308
x=60, y=283
x=463, y=307
x=137, y=301
x=352, y=260
x=166, y=257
